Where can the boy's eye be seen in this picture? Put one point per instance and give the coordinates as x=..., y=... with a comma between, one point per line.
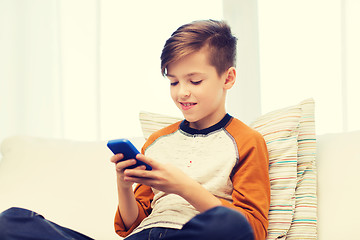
x=196, y=82
x=174, y=83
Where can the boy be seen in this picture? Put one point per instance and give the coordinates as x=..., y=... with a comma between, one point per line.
x=203, y=166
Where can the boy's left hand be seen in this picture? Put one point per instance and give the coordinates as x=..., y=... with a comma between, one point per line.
x=163, y=177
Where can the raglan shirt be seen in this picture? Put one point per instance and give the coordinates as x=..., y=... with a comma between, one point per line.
x=229, y=159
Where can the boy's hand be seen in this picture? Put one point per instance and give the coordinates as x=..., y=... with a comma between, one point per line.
x=163, y=177
x=120, y=168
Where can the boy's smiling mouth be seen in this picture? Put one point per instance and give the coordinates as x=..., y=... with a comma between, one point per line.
x=187, y=105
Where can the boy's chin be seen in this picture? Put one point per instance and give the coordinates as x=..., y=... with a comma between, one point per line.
x=190, y=119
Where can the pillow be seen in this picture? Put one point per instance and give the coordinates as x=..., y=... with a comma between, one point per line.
x=152, y=122
x=290, y=137
x=280, y=130
x=303, y=206
x=304, y=223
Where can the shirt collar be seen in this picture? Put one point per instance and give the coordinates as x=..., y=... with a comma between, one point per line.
x=184, y=126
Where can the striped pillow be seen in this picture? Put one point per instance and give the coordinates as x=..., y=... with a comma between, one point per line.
x=152, y=122
x=304, y=223
x=297, y=218
x=280, y=130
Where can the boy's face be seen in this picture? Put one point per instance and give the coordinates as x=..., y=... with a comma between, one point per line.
x=197, y=89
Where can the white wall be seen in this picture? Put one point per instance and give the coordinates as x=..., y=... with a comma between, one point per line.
x=289, y=50
x=29, y=73
x=310, y=49
x=244, y=100
x=351, y=61
x=79, y=68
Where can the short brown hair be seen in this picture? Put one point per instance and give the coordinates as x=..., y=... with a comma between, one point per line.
x=191, y=37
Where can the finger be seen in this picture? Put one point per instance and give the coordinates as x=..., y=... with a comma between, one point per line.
x=140, y=167
x=124, y=164
x=116, y=158
x=139, y=176
x=148, y=161
x=139, y=180
x=140, y=172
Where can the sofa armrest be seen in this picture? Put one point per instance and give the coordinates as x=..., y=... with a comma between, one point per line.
x=338, y=164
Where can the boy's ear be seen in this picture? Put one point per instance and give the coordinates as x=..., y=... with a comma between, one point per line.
x=230, y=78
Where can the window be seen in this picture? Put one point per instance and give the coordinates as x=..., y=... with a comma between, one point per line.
x=308, y=49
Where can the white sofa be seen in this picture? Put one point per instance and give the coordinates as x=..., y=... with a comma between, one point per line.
x=73, y=183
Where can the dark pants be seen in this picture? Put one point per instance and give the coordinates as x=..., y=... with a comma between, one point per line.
x=218, y=223
x=19, y=223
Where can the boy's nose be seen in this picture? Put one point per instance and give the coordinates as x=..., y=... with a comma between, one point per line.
x=184, y=92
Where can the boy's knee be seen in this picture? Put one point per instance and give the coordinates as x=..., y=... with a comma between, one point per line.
x=6, y=219
x=15, y=218
x=230, y=220
x=222, y=223
x=16, y=213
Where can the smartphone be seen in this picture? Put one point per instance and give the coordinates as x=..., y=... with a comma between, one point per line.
x=129, y=151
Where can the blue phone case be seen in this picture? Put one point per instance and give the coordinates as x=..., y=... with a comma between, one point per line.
x=125, y=147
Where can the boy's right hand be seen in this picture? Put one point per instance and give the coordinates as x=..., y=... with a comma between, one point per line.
x=120, y=167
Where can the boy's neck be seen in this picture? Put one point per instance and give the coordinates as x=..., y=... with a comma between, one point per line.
x=209, y=121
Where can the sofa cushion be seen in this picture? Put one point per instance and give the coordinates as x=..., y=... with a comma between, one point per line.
x=71, y=183
x=338, y=163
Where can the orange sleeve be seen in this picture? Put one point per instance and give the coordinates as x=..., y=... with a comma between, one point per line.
x=251, y=184
x=144, y=196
